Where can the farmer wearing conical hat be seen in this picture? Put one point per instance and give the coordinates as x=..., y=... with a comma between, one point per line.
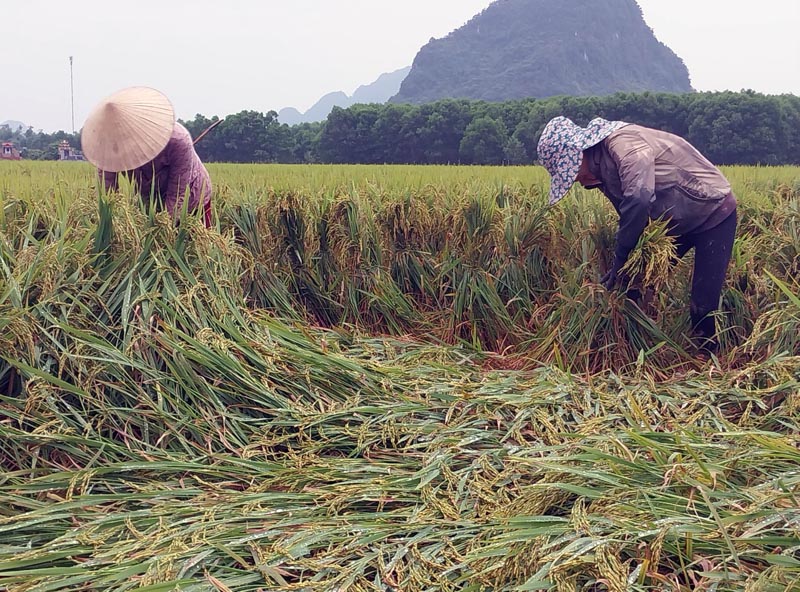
x=648, y=174
x=134, y=132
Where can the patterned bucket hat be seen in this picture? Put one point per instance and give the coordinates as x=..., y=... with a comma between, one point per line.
x=561, y=149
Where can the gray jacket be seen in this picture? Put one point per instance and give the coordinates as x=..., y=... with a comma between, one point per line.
x=648, y=174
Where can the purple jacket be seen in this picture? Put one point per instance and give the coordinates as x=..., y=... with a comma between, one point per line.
x=168, y=176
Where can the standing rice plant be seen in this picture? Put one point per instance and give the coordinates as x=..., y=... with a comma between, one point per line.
x=479, y=314
x=370, y=297
x=778, y=330
x=525, y=275
x=409, y=227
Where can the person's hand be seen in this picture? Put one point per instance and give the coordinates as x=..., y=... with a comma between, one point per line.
x=609, y=280
x=612, y=276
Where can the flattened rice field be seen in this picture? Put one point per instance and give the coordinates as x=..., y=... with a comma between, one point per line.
x=388, y=378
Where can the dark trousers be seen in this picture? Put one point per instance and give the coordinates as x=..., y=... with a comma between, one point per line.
x=712, y=253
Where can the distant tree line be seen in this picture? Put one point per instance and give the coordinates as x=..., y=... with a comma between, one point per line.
x=250, y=136
x=37, y=145
x=729, y=128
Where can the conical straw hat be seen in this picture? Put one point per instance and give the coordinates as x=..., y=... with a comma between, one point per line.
x=128, y=129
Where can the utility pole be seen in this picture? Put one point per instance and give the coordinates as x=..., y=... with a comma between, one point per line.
x=72, y=94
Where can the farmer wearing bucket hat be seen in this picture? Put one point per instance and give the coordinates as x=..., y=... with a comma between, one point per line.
x=649, y=174
x=134, y=132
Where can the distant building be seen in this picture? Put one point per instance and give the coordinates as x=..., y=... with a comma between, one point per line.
x=9, y=152
x=67, y=152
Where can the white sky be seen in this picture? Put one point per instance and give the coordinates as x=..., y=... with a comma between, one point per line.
x=218, y=57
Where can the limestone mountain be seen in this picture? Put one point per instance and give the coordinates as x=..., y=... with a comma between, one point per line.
x=14, y=126
x=539, y=48
x=379, y=91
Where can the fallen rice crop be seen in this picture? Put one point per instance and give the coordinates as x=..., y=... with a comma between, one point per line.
x=388, y=378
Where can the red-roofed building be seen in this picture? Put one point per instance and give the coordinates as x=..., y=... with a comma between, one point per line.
x=9, y=152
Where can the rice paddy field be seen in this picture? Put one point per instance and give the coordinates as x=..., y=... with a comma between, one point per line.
x=388, y=378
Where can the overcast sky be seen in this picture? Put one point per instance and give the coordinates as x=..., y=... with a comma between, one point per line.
x=218, y=57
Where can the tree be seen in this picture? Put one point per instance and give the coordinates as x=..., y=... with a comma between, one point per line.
x=305, y=137
x=207, y=148
x=514, y=152
x=443, y=131
x=484, y=142
x=250, y=136
x=338, y=136
x=388, y=129
x=739, y=128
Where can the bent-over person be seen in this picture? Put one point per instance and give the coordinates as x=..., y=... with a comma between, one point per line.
x=134, y=132
x=648, y=174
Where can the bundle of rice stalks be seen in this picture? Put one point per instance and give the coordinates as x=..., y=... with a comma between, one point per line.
x=650, y=265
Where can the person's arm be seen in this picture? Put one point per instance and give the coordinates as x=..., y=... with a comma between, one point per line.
x=181, y=157
x=636, y=167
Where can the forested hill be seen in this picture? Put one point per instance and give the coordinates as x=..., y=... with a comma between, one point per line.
x=540, y=48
